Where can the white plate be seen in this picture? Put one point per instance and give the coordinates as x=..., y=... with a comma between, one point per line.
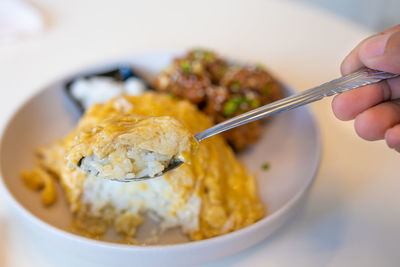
x=290, y=144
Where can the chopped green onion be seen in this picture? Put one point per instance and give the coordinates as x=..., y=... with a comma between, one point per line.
x=235, y=103
x=207, y=56
x=254, y=103
x=171, y=95
x=260, y=67
x=230, y=107
x=235, y=86
x=265, y=166
x=185, y=65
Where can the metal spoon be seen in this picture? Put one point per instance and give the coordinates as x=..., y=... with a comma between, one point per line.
x=362, y=77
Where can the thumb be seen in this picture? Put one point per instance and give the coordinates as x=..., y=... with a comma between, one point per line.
x=382, y=52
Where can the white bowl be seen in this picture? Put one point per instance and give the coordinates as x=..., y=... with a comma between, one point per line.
x=290, y=144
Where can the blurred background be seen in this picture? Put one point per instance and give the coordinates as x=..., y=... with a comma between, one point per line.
x=376, y=15
x=27, y=17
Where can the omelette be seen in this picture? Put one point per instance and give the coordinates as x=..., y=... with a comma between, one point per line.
x=210, y=195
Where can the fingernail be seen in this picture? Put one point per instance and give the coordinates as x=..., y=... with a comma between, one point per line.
x=375, y=46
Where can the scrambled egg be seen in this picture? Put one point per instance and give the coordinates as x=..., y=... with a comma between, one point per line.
x=211, y=196
x=131, y=146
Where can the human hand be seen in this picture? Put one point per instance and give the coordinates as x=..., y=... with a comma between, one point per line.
x=375, y=108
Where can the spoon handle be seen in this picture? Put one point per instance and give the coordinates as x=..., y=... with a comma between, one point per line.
x=354, y=80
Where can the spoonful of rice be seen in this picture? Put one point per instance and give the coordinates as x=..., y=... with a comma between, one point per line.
x=133, y=148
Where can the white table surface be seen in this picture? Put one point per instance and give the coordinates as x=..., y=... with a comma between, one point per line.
x=352, y=215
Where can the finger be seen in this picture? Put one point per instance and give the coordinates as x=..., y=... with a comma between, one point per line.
x=347, y=105
x=374, y=122
x=394, y=85
x=392, y=137
x=382, y=53
x=353, y=62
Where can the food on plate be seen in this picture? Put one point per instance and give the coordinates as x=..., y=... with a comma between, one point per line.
x=40, y=179
x=221, y=89
x=130, y=146
x=211, y=196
